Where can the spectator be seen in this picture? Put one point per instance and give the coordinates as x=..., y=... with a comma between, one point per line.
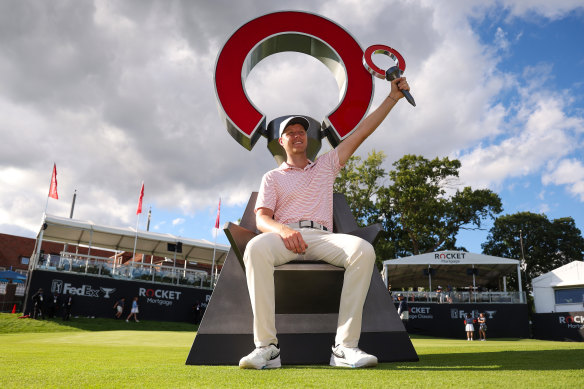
x=402, y=309
x=55, y=301
x=119, y=307
x=482, y=327
x=134, y=311
x=469, y=327
x=67, y=305
x=439, y=295
x=38, y=304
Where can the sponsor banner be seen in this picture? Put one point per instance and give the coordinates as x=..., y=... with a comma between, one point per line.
x=450, y=258
x=96, y=296
x=559, y=326
x=447, y=320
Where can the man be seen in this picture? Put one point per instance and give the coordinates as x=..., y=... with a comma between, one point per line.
x=119, y=307
x=402, y=309
x=54, y=307
x=294, y=212
x=67, y=305
x=38, y=300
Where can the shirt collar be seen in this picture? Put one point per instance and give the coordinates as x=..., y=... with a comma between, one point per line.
x=286, y=166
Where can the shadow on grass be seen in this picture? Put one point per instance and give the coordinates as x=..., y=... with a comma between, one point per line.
x=495, y=361
x=12, y=324
x=491, y=340
x=88, y=324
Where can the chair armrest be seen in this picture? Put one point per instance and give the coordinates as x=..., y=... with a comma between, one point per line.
x=238, y=237
x=369, y=233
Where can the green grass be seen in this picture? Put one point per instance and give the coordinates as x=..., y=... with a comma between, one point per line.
x=89, y=353
x=10, y=323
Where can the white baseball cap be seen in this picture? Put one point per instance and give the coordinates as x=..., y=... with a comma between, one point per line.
x=294, y=120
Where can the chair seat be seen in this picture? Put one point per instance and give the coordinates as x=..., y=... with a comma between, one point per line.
x=308, y=265
x=308, y=287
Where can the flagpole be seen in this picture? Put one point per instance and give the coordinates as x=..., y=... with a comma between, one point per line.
x=46, y=206
x=135, y=241
x=216, y=230
x=138, y=212
x=214, y=250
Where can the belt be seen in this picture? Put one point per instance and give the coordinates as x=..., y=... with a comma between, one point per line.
x=307, y=224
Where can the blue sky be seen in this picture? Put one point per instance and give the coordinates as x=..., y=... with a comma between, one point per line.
x=555, y=46
x=116, y=93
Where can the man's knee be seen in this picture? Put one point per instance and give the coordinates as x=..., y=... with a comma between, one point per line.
x=367, y=252
x=258, y=247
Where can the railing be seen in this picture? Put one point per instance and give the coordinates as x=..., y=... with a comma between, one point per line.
x=19, y=271
x=106, y=267
x=463, y=297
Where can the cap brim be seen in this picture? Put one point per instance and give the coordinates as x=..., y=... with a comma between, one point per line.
x=294, y=120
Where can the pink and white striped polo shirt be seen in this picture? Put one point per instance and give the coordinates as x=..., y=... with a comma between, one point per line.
x=296, y=194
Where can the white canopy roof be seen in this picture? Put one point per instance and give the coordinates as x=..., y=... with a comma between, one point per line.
x=571, y=274
x=449, y=267
x=60, y=229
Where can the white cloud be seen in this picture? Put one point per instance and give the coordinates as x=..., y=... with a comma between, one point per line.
x=549, y=9
x=178, y=221
x=568, y=172
x=124, y=93
x=501, y=40
x=543, y=132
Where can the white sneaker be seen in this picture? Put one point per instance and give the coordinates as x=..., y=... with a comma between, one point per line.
x=351, y=357
x=267, y=357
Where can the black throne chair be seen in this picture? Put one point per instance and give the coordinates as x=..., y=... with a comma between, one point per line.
x=307, y=303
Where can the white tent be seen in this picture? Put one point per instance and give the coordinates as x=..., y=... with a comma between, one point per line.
x=87, y=233
x=448, y=268
x=561, y=290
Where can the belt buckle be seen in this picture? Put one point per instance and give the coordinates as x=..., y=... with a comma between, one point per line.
x=305, y=224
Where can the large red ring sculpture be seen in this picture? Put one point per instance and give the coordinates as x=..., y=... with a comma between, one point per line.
x=291, y=31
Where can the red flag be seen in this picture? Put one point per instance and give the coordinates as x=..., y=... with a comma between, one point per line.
x=139, y=210
x=218, y=214
x=53, y=188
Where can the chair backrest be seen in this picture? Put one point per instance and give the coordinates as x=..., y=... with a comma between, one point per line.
x=343, y=220
x=248, y=219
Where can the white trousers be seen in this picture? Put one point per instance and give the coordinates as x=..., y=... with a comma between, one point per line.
x=267, y=250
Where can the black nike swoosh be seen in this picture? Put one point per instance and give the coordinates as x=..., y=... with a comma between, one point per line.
x=339, y=354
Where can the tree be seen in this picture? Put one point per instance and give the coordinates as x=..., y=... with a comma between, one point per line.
x=417, y=213
x=419, y=200
x=547, y=244
x=359, y=182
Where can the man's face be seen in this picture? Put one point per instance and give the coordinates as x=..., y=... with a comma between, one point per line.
x=294, y=139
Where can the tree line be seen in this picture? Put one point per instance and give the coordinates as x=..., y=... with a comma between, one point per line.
x=422, y=207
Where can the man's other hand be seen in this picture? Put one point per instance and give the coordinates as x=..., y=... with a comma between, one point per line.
x=293, y=240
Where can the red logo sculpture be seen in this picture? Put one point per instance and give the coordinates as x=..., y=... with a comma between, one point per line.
x=290, y=31
x=304, y=33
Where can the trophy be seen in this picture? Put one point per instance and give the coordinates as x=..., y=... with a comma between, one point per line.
x=390, y=74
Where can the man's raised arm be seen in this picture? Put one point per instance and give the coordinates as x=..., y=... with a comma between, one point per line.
x=371, y=122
